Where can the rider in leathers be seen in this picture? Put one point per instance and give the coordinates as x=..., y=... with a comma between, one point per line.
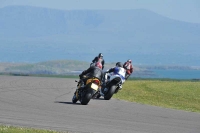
x=118, y=70
x=129, y=68
x=93, y=71
x=100, y=59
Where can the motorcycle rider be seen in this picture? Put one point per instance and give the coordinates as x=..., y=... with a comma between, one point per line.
x=117, y=70
x=100, y=59
x=92, y=72
x=129, y=68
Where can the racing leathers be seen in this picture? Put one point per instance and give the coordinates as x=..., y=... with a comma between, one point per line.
x=118, y=71
x=99, y=59
x=92, y=71
x=129, y=69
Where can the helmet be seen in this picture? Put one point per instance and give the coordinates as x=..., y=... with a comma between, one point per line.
x=99, y=65
x=129, y=60
x=119, y=64
x=100, y=55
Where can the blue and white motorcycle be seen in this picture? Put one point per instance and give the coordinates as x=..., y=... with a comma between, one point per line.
x=112, y=84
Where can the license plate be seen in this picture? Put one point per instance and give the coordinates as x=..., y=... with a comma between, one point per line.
x=94, y=86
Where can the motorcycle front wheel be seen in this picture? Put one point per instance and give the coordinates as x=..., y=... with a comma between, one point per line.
x=74, y=99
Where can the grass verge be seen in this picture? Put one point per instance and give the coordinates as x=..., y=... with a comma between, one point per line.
x=183, y=95
x=12, y=129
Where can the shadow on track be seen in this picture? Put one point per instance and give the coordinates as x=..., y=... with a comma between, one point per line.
x=76, y=103
x=67, y=103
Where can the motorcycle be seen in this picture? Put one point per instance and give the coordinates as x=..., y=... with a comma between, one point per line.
x=112, y=84
x=85, y=92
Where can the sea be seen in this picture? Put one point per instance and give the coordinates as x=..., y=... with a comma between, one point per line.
x=170, y=74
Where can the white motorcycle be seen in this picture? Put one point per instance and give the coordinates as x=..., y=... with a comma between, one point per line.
x=113, y=83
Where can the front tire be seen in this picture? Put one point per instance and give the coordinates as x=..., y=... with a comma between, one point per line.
x=110, y=93
x=74, y=99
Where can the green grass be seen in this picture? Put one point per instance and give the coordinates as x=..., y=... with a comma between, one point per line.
x=183, y=95
x=12, y=129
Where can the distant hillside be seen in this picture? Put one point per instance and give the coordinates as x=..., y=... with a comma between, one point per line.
x=33, y=34
x=74, y=67
x=58, y=67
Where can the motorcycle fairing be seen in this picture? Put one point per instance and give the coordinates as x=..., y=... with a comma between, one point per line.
x=114, y=80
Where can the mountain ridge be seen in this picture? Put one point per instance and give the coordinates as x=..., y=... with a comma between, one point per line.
x=35, y=34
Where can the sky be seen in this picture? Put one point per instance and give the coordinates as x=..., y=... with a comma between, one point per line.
x=183, y=10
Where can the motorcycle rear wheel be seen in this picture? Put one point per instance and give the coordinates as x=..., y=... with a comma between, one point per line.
x=110, y=93
x=86, y=98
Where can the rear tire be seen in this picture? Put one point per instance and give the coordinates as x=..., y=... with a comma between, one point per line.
x=86, y=98
x=110, y=93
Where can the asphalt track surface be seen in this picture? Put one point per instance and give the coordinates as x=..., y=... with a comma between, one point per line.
x=45, y=103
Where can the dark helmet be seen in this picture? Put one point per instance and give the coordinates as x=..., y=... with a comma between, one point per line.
x=119, y=64
x=129, y=60
x=99, y=65
x=100, y=55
